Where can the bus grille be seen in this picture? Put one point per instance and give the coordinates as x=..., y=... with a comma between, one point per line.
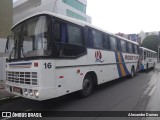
x=28, y=78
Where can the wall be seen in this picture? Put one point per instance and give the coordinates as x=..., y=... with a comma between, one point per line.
x=5, y=17
x=2, y=44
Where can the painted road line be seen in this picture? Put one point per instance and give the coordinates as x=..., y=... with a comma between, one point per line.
x=152, y=91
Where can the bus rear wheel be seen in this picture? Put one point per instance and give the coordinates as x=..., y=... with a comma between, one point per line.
x=87, y=86
x=154, y=65
x=147, y=68
x=132, y=72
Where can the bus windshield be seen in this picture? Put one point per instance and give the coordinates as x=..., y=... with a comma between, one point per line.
x=31, y=38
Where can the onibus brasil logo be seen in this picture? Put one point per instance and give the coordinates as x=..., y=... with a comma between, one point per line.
x=98, y=56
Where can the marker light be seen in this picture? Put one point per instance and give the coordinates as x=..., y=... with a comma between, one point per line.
x=36, y=64
x=78, y=70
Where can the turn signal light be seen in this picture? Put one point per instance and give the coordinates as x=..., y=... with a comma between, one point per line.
x=35, y=64
x=78, y=70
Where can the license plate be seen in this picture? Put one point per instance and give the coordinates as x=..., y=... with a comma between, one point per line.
x=17, y=90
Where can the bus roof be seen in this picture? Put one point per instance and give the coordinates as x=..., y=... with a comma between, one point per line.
x=147, y=49
x=75, y=21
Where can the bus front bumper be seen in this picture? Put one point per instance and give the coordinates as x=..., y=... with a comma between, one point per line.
x=30, y=93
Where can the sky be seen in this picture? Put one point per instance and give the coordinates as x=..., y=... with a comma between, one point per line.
x=125, y=16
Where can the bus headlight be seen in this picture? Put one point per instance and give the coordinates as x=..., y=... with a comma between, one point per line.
x=25, y=91
x=31, y=92
x=36, y=93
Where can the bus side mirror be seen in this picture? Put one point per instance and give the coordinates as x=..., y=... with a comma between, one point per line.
x=7, y=46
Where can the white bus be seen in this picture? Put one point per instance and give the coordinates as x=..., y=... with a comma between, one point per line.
x=148, y=58
x=56, y=55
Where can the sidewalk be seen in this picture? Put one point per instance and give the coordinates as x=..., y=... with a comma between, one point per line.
x=3, y=93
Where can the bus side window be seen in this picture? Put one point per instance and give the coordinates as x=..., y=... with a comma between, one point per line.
x=113, y=43
x=123, y=46
x=148, y=54
x=97, y=39
x=106, y=43
x=74, y=35
x=127, y=47
x=136, y=49
x=119, y=47
x=133, y=48
x=57, y=32
x=130, y=47
x=90, y=40
x=145, y=54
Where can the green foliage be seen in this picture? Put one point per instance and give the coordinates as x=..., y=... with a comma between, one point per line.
x=151, y=42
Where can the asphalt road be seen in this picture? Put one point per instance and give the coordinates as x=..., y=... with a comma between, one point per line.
x=141, y=93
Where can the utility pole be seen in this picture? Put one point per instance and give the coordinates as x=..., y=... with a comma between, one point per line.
x=158, y=47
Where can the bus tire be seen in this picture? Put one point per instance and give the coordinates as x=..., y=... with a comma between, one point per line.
x=154, y=65
x=87, y=86
x=147, y=68
x=132, y=72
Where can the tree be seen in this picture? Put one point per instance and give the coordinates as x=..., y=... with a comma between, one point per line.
x=151, y=42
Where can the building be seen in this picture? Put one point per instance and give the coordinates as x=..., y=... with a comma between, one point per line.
x=6, y=15
x=5, y=21
x=132, y=37
x=139, y=37
x=145, y=34
x=71, y=8
x=122, y=35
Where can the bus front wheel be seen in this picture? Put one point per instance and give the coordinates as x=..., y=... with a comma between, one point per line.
x=87, y=86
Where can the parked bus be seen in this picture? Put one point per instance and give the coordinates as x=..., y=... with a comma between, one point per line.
x=148, y=58
x=56, y=55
